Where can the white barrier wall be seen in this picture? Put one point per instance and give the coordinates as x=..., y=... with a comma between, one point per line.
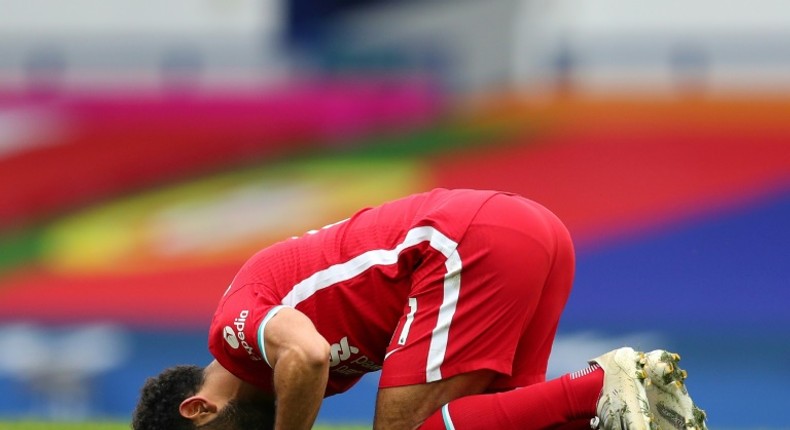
x=586, y=45
x=647, y=45
x=91, y=41
x=32, y=18
x=536, y=45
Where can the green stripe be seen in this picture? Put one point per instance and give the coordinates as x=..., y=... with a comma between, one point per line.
x=19, y=247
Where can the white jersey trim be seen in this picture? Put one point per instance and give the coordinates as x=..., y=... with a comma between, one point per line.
x=452, y=286
x=404, y=334
x=381, y=257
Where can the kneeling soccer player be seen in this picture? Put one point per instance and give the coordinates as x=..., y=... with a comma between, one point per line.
x=455, y=295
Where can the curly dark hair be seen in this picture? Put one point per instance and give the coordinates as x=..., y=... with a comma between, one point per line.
x=161, y=396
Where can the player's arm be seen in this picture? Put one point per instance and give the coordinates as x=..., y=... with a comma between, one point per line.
x=299, y=356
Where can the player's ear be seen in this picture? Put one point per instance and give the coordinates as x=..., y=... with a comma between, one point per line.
x=197, y=407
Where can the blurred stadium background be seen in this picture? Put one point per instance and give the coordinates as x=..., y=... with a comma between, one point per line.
x=148, y=147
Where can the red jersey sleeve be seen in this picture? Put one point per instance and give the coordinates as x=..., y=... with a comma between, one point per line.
x=233, y=336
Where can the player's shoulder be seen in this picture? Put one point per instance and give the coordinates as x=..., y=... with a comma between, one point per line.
x=234, y=327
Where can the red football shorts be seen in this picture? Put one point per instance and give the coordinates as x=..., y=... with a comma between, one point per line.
x=512, y=275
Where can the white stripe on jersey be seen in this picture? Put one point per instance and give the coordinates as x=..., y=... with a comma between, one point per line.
x=404, y=333
x=379, y=257
x=452, y=286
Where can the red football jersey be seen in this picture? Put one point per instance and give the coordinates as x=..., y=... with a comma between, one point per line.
x=352, y=279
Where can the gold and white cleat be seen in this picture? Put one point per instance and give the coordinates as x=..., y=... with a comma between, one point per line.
x=667, y=393
x=623, y=403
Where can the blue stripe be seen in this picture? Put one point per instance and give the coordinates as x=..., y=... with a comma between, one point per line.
x=266, y=319
x=448, y=422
